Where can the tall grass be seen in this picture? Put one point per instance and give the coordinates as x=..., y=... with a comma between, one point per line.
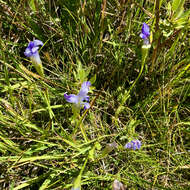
x=46, y=144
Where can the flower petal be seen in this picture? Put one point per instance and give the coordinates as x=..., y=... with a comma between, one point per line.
x=34, y=49
x=38, y=43
x=71, y=98
x=35, y=58
x=143, y=36
x=31, y=45
x=86, y=84
x=138, y=143
x=86, y=98
x=134, y=144
x=28, y=52
x=86, y=105
x=84, y=89
x=145, y=30
x=128, y=145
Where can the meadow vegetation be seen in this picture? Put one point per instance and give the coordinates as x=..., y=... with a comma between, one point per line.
x=47, y=142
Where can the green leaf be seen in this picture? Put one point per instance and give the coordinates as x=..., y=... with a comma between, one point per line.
x=47, y=182
x=93, y=79
x=91, y=153
x=30, y=159
x=177, y=7
x=32, y=5
x=77, y=183
x=182, y=21
x=178, y=13
x=80, y=72
x=176, y=4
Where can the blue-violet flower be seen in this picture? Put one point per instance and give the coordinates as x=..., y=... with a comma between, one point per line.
x=134, y=144
x=80, y=97
x=32, y=51
x=145, y=33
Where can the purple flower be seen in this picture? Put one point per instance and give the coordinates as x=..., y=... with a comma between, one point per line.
x=80, y=97
x=134, y=144
x=32, y=51
x=145, y=33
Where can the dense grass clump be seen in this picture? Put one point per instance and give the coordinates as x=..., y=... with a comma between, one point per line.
x=135, y=135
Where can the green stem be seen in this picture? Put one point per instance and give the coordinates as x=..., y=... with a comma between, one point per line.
x=126, y=95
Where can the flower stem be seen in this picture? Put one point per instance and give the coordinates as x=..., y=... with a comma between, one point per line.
x=145, y=49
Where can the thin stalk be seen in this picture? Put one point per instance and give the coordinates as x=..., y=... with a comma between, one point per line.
x=127, y=94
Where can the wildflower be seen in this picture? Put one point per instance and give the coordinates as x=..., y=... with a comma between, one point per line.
x=134, y=144
x=145, y=33
x=80, y=97
x=32, y=52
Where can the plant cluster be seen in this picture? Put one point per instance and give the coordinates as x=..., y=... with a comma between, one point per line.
x=94, y=94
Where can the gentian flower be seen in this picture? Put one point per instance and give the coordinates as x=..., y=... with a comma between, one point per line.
x=145, y=33
x=32, y=52
x=80, y=97
x=134, y=144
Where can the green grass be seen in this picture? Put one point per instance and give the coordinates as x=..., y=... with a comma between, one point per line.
x=43, y=145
